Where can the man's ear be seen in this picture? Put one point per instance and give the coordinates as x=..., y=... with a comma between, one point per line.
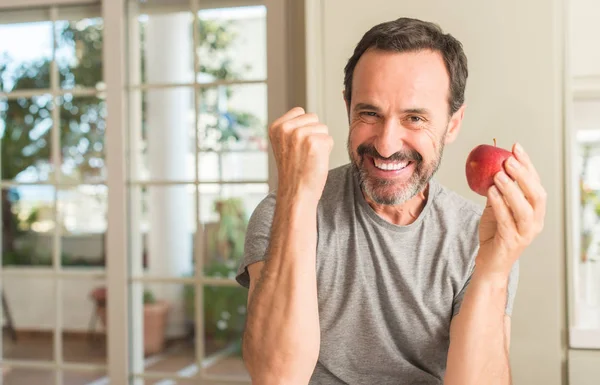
x=455, y=124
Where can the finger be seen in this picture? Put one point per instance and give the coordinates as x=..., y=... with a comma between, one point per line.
x=522, y=210
x=299, y=121
x=291, y=114
x=326, y=140
x=313, y=128
x=301, y=133
x=504, y=219
x=524, y=159
x=531, y=187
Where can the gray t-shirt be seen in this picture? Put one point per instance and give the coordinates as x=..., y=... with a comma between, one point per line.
x=386, y=293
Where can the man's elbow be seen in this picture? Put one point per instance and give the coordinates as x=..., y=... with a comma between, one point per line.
x=267, y=367
x=268, y=373
x=490, y=377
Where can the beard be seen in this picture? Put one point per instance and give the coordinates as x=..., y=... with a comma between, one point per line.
x=385, y=191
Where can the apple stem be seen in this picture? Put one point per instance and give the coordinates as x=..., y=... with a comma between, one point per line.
x=494, y=142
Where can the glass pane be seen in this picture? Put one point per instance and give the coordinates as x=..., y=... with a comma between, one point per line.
x=25, y=55
x=221, y=166
x=163, y=142
x=18, y=376
x=586, y=183
x=31, y=306
x=163, y=231
x=83, y=127
x=79, y=52
x=83, y=219
x=25, y=132
x=224, y=211
x=588, y=271
x=233, y=118
x=224, y=319
x=164, y=41
x=27, y=226
x=84, y=322
x=164, y=340
x=232, y=44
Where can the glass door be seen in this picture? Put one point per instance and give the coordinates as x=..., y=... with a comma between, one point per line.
x=198, y=166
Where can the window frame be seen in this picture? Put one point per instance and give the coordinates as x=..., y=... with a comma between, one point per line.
x=118, y=272
x=577, y=89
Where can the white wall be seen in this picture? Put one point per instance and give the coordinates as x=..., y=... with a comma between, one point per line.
x=584, y=367
x=584, y=37
x=514, y=93
x=32, y=300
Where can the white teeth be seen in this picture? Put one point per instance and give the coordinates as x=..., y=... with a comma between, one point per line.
x=390, y=166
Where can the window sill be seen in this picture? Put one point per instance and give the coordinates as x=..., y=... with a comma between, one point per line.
x=580, y=338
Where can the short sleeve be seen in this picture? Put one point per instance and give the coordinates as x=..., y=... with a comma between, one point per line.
x=257, y=239
x=513, y=283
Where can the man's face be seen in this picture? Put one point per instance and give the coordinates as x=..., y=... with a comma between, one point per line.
x=399, y=122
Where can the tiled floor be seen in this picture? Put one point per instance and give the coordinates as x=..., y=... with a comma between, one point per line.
x=177, y=357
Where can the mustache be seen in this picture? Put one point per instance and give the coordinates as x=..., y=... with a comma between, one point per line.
x=405, y=155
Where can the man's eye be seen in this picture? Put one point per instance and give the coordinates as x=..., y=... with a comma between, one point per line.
x=415, y=119
x=369, y=117
x=369, y=113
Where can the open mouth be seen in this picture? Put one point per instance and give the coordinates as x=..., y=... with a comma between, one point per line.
x=386, y=169
x=390, y=166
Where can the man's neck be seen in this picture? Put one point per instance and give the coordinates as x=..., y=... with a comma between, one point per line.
x=402, y=214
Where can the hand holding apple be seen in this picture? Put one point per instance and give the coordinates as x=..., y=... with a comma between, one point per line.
x=515, y=209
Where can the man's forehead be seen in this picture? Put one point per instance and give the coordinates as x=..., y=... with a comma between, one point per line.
x=411, y=74
x=425, y=59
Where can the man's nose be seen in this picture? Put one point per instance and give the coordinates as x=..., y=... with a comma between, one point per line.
x=389, y=138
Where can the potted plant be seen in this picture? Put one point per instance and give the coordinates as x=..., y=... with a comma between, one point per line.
x=155, y=318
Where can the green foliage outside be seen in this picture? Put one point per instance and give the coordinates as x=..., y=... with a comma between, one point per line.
x=590, y=199
x=26, y=148
x=224, y=306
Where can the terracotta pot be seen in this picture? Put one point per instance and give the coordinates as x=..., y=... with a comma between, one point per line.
x=155, y=325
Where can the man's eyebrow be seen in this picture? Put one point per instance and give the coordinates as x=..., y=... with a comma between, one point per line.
x=366, y=106
x=371, y=107
x=418, y=111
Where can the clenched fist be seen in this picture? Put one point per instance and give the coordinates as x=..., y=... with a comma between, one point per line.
x=301, y=145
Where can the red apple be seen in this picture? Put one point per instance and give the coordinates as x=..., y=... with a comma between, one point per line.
x=483, y=163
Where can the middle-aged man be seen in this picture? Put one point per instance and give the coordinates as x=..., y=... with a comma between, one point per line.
x=374, y=273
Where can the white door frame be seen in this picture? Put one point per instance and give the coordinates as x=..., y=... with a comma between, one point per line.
x=117, y=269
x=117, y=244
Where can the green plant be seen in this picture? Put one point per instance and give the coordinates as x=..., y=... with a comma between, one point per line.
x=224, y=313
x=149, y=297
x=25, y=143
x=230, y=126
x=224, y=310
x=227, y=244
x=224, y=307
x=590, y=199
x=29, y=256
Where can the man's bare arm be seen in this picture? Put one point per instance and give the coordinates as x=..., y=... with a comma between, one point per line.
x=480, y=335
x=282, y=337
x=513, y=217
